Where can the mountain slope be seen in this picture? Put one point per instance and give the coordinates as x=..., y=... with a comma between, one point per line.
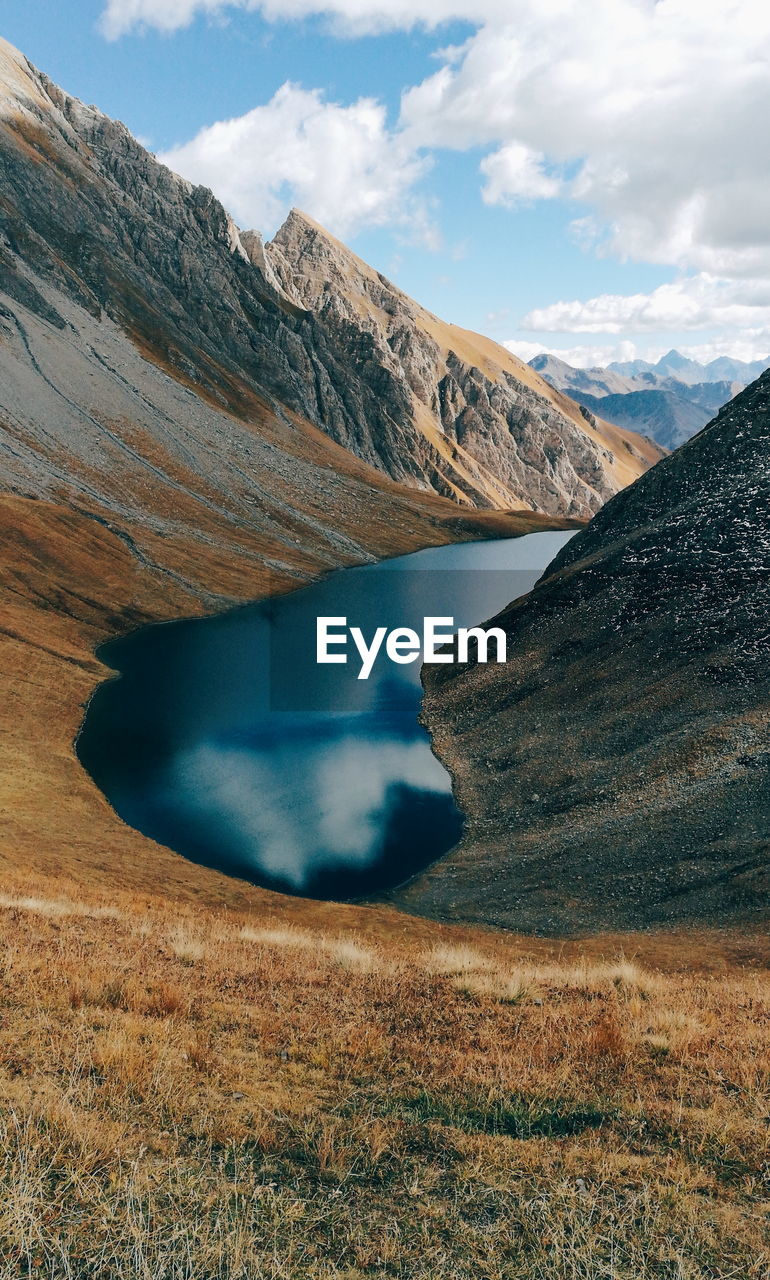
x=482, y=425
x=616, y=772
x=669, y=417
x=92, y=215
x=595, y=382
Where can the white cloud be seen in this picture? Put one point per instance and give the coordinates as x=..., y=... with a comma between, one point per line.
x=514, y=173
x=648, y=114
x=654, y=109
x=352, y=16
x=340, y=163
x=695, y=302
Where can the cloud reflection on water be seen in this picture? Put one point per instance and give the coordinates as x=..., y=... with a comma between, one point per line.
x=297, y=811
x=224, y=740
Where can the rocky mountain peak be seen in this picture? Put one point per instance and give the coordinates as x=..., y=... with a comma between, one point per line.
x=487, y=427
x=301, y=321
x=313, y=263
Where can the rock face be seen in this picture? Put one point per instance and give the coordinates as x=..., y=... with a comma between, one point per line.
x=616, y=771
x=99, y=239
x=93, y=223
x=469, y=420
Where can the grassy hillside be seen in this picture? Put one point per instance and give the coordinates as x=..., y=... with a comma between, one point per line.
x=189, y=1093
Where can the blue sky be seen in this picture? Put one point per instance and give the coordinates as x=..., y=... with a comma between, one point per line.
x=542, y=183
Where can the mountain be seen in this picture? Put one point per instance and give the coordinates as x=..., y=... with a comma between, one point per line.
x=180, y=432
x=674, y=365
x=482, y=427
x=615, y=771
x=724, y=369
x=91, y=216
x=669, y=401
x=595, y=382
x=670, y=416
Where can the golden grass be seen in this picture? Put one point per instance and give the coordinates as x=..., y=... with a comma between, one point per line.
x=187, y=1094
x=55, y=907
x=347, y=952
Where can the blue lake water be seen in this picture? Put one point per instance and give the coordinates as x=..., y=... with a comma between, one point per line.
x=225, y=740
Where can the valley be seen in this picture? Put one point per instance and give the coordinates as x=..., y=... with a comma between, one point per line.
x=537, y=1046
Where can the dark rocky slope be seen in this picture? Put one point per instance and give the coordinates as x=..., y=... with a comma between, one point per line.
x=616, y=771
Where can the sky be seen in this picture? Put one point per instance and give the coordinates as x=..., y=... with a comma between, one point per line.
x=590, y=177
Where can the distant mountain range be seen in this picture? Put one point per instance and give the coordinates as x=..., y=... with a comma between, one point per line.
x=675, y=365
x=669, y=401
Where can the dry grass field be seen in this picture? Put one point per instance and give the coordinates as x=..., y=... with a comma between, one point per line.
x=195, y=1094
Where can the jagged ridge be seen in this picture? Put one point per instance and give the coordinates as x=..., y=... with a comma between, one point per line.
x=482, y=426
